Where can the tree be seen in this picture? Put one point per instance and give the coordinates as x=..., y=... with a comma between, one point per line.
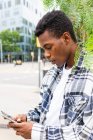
x=10, y=40
x=80, y=12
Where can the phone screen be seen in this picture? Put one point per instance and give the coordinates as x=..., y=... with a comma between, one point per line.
x=6, y=116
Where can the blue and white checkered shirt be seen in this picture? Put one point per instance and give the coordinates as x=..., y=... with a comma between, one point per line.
x=76, y=117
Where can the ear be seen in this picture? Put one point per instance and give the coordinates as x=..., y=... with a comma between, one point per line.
x=67, y=38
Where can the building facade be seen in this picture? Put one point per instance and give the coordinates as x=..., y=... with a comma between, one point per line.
x=21, y=16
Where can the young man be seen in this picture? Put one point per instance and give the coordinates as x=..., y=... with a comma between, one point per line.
x=65, y=112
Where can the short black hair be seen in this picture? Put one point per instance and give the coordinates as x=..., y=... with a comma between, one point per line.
x=57, y=23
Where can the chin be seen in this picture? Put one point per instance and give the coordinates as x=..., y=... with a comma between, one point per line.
x=59, y=65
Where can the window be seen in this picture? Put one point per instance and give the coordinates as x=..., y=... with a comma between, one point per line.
x=17, y=2
x=25, y=21
x=4, y=23
x=22, y=47
x=12, y=22
x=12, y=29
x=27, y=4
x=30, y=24
x=36, y=11
x=7, y=13
x=22, y=30
x=25, y=30
x=1, y=6
x=16, y=12
x=29, y=31
x=9, y=3
x=29, y=40
x=4, y=5
x=18, y=29
x=24, y=2
x=21, y=38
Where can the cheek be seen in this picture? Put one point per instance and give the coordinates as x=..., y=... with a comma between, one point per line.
x=61, y=54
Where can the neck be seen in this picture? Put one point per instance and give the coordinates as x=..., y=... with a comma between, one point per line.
x=70, y=60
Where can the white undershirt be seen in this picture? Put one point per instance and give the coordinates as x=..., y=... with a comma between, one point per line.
x=52, y=116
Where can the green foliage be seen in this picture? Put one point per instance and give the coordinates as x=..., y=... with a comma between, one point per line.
x=88, y=61
x=33, y=39
x=89, y=44
x=10, y=40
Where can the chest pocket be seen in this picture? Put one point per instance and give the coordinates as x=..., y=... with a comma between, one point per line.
x=77, y=105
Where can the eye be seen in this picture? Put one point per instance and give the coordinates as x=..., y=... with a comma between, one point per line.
x=48, y=47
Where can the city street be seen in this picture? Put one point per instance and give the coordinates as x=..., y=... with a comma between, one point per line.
x=19, y=92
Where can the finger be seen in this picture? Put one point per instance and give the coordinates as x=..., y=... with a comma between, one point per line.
x=16, y=129
x=18, y=133
x=17, y=117
x=9, y=124
x=19, y=120
x=14, y=125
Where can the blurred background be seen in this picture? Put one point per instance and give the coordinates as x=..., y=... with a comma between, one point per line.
x=22, y=63
x=18, y=19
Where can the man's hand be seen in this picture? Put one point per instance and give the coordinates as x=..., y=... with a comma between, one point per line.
x=20, y=118
x=23, y=129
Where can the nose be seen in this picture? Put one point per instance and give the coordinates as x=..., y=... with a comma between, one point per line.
x=47, y=54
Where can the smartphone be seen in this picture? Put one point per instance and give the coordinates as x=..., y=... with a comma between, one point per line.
x=8, y=117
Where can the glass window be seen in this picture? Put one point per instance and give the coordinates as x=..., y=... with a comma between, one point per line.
x=29, y=31
x=25, y=21
x=16, y=12
x=22, y=47
x=21, y=38
x=12, y=22
x=26, y=39
x=4, y=23
x=29, y=40
x=0, y=6
x=7, y=13
x=12, y=29
x=4, y=5
x=36, y=11
x=9, y=3
x=27, y=4
x=25, y=30
x=22, y=30
x=17, y=2
x=24, y=2
x=18, y=29
x=30, y=24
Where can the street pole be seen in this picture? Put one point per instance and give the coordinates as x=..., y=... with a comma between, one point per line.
x=1, y=51
x=39, y=62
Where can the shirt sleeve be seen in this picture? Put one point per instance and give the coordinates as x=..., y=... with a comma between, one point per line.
x=34, y=115
x=40, y=132
x=37, y=130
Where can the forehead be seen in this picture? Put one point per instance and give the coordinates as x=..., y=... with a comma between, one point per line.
x=46, y=38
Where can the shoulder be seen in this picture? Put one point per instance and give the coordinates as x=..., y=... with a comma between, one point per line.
x=47, y=80
x=49, y=75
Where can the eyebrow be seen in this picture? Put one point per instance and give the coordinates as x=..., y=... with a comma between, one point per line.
x=44, y=46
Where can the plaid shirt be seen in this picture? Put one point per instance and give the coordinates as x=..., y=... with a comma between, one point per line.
x=76, y=122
